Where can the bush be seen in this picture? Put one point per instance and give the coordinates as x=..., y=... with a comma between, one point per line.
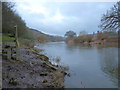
x=81, y=39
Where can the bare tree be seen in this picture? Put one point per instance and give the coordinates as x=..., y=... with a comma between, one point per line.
x=111, y=20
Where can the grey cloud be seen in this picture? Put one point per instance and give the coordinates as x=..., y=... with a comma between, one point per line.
x=78, y=16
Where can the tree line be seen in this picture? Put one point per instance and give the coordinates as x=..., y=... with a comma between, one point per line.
x=10, y=18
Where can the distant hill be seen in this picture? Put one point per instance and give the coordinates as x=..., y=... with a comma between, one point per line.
x=52, y=38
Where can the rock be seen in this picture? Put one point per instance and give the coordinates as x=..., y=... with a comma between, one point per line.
x=13, y=81
x=43, y=74
x=22, y=77
x=68, y=74
x=43, y=65
x=44, y=81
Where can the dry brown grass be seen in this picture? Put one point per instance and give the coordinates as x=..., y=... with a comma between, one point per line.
x=81, y=39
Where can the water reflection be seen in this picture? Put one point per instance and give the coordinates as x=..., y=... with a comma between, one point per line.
x=109, y=62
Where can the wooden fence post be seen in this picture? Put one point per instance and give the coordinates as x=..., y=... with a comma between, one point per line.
x=17, y=43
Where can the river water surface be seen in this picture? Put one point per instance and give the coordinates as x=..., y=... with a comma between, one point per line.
x=89, y=67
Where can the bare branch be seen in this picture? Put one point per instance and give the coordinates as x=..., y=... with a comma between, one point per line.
x=111, y=20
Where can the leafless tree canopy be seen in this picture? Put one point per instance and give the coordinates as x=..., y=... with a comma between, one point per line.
x=111, y=20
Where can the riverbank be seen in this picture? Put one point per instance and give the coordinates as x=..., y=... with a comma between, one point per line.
x=89, y=40
x=32, y=70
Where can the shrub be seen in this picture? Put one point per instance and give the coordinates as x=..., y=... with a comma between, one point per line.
x=81, y=39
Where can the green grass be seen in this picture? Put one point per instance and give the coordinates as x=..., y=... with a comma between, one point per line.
x=0, y=37
x=22, y=41
x=6, y=38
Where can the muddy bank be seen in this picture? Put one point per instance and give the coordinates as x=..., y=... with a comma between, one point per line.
x=33, y=70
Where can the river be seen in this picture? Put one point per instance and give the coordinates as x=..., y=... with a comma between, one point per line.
x=89, y=67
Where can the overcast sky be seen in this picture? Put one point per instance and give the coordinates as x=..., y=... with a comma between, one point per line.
x=58, y=17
